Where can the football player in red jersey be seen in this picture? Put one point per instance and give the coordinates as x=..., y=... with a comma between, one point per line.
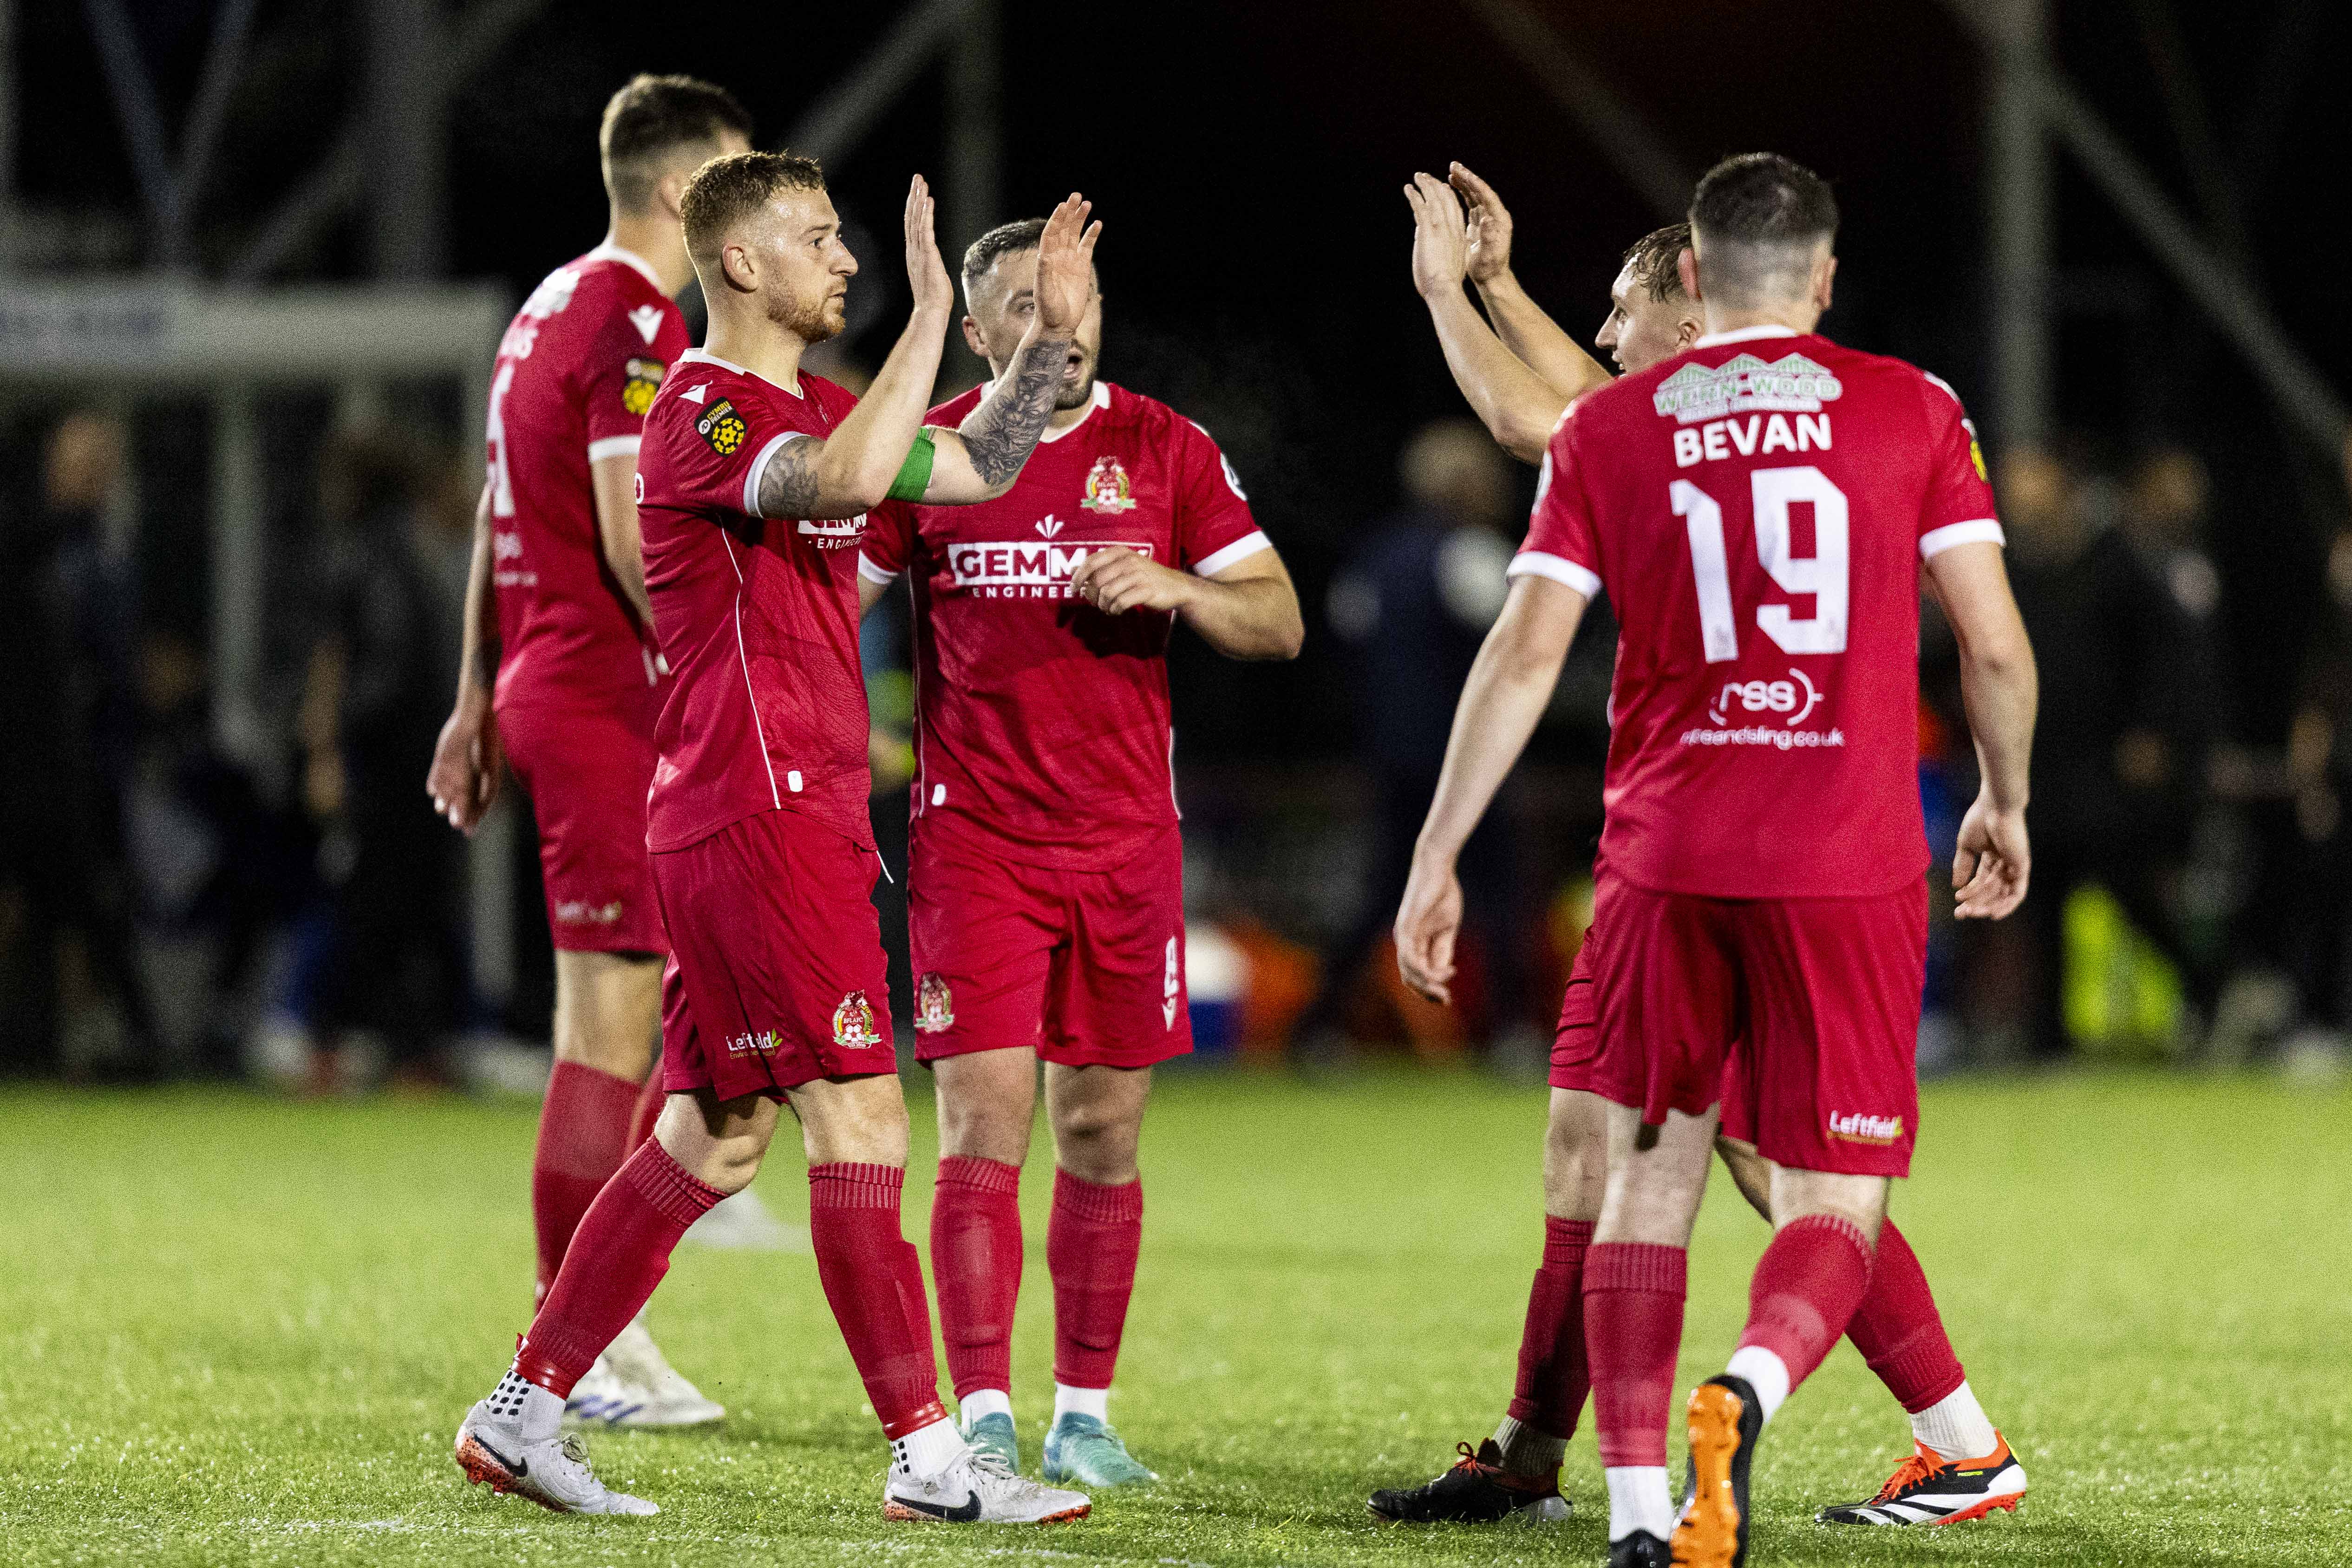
x=1044, y=881
x=560, y=670
x=1520, y=374
x=1763, y=525
x=754, y=486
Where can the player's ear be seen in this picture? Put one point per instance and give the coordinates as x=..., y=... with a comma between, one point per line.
x=669, y=192
x=1824, y=280
x=1686, y=269
x=972, y=337
x=738, y=270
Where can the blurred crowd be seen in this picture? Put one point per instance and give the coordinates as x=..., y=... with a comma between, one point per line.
x=168, y=908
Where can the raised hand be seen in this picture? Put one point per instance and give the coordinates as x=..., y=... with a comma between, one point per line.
x=1440, y=243
x=927, y=274
x=1489, y=229
x=1065, y=268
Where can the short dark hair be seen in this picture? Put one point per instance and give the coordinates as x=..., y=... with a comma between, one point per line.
x=1004, y=240
x=725, y=190
x=652, y=115
x=1656, y=258
x=1757, y=218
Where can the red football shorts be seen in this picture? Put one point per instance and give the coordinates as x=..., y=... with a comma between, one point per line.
x=1807, y=1009
x=1087, y=967
x=586, y=772
x=776, y=976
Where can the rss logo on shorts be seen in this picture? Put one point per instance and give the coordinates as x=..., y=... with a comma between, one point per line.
x=852, y=1024
x=722, y=428
x=934, y=1005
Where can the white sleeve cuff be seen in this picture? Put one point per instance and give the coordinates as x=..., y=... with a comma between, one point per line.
x=759, y=466
x=613, y=446
x=873, y=574
x=1976, y=531
x=1558, y=568
x=1240, y=550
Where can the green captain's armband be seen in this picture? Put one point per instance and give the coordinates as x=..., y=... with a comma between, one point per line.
x=915, y=473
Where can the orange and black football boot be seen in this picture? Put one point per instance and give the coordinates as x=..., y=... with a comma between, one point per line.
x=1724, y=1420
x=1928, y=1488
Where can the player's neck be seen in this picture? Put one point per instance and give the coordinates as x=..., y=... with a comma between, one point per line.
x=657, y=242
x=1799, y=319
x=758, y=344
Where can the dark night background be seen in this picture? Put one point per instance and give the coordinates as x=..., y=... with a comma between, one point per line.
x=1246, y=159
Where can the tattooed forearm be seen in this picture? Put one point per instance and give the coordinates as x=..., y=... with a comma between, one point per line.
x=1003, y=430
x=788, y=485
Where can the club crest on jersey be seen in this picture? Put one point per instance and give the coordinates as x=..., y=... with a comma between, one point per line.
x=1107, y=488
x=934, y=1005
x=645, y=379
x=1792, y=384
x=852, y=1024
x=722, y=428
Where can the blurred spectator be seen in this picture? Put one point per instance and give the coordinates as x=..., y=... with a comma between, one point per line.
x=2319, y=773
x=69, y=605
x=2131, y=710
x=389, y=977
x=1413, y=604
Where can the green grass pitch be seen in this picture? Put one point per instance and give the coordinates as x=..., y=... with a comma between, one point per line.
x=236, y=1330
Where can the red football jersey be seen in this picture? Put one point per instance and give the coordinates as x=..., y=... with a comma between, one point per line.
x=576, y=371
x=766, y=708
x=1040, y=722
x=1758, y=509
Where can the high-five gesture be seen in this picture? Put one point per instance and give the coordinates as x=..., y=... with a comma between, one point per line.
x=1440, y=251
x=1065, y=268
x=927, y=274
x=1489, y=229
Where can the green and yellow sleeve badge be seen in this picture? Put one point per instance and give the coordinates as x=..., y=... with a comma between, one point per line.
x=722, y=428
x=644, y=379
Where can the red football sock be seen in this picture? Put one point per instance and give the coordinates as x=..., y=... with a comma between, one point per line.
x=650, y=1100
x=1553, y=1372
x=1806, y=1286
x=1091, y=1243
x=583, y=1126
x=1899, y=1330
x=873, y=1279
x=1632, y=1328
x=620, y=1254
x=976, y=1265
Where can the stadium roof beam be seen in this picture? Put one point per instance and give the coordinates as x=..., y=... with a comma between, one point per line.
x=1623, y=137
x=2227, y=296
x=169, y=189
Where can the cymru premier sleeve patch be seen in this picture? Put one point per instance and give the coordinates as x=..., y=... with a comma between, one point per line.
x=644, y=379
x=722, y=428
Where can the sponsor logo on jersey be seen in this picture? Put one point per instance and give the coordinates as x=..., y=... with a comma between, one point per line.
x=579, y=911
x=1049, y=526
x=1017, y=569
x=934, y=1005
x=753, y=1045
x=1107, y=488
x=647, y=319
x=1797, y=697
x=1792, y=384
x=1853, y=1127
x=833, y=532
x=645, y=379
x=852, y=1024
x=1171, y=987
x=722, y=428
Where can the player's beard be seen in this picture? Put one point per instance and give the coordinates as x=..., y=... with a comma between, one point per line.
x=1078, y=394
x=811, y=323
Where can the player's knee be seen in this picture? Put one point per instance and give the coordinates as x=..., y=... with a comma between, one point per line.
x=1576, y=1173
x=1802, y=1194
x=1097, y=1142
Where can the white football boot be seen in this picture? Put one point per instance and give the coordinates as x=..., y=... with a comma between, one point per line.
x=495, y=1449
x=976, y=1487
x=633, y=1385
x=741, y=1223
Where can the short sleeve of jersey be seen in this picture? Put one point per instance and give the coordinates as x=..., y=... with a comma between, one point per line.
x=889, y=542
x=712, y=452
x=623, y=372
x=1958, y=508
x=1560, y=543
x=1214, y=529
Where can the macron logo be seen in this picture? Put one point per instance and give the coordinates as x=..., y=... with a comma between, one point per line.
x=697, y=395
x=1856, y=1128
x=647, y=320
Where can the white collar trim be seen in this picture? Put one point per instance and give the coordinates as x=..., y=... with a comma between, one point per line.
x=608, y=251
x=1747, y=335
x=1101, y=399
x=700, y=356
